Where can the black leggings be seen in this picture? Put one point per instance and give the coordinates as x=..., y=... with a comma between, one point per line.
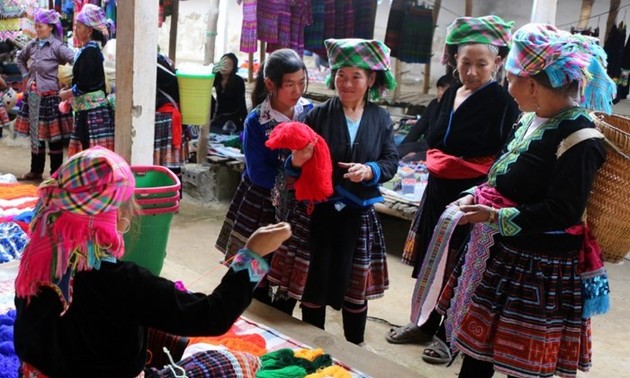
x=354, y=319
x=473, y=368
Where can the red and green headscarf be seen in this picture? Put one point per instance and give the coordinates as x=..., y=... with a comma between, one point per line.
x=371, y=55
x=74, y=226
x=565, y=58
x=486, y=30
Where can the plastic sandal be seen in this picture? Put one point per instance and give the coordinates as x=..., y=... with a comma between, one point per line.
x=409, y=334
x=437, y=353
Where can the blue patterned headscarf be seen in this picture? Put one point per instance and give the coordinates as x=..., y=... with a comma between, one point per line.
x=565, y=58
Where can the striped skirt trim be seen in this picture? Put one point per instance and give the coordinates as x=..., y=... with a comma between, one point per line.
x=250, y=208
x=96, y=126
x=526, y=316
x=52, y=124
x=369, y=277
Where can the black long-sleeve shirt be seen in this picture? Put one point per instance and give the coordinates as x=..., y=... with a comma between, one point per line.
x=88, y=74
x=104, y=332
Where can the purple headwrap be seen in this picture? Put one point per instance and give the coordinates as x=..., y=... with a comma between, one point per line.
x=94, y=17
x=50, y=17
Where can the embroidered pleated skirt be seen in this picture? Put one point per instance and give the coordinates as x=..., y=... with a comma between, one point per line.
x=525, y=315
x=251, y=207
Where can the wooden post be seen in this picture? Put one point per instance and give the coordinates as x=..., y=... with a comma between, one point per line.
x=398, y=75
x=427, y=67
x=211, y=33
x=136, y=70
x=469, y=8
x=172, y=41
x=544, y=11
x=612, y=17
x=250, y=68
x=585, y=13
x=262, y=53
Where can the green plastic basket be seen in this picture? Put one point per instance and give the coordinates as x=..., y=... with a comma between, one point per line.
x=145, y=243
x=157, y=194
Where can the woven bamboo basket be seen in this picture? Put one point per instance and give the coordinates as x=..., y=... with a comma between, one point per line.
x=608, y=209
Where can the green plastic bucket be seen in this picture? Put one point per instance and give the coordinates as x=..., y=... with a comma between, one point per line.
x=157, y=194
x=145, y=243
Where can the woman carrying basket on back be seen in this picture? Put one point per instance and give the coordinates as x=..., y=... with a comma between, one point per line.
x=533, y=275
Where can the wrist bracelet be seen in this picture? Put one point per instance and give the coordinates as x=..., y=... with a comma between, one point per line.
x=256, y=266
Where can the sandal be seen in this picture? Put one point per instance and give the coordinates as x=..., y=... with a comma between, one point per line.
x=30, y=176
x=409, y=334
x=437, y=353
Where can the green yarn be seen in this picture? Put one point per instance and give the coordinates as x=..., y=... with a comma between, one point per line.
x=285, y=372
x=283, y=363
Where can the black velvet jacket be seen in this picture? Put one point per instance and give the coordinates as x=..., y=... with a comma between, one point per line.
x=480, y=125
x=104, y=332
x=374, y=143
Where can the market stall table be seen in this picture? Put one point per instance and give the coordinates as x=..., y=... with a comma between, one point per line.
x=368, y=363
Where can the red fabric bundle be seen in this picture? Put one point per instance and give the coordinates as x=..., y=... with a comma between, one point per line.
x=315, y=182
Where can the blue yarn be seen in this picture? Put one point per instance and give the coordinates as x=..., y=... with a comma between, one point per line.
x=9, y=362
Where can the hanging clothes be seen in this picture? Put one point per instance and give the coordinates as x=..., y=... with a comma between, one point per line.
x=314, y=33
x=409, y=32
x=365, y=18
x=283, y=36
x=622, y=84
x=267, y=16
x=416, y=37
x=394, y=24
x=249, y=34
x=301, y=16
x=614, y=49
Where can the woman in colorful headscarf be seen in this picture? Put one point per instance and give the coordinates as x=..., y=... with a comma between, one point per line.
x=39, y=115
x=533, y=274
x=276, y=98
x=474, y=120
x=337, y=258
x=93, y=115
x=83, y=313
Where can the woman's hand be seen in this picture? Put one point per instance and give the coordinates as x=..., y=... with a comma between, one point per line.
x=267, y=239
x=302, y=156
x=65, y=94
x=478, y=214
x=468, y=199
x=357, y=172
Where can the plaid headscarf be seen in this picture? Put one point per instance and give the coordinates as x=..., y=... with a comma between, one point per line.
x=487, y=30
x=564, y=57
x=50, y=17
x=74, y=226
x=369, y=55
x=94, y=16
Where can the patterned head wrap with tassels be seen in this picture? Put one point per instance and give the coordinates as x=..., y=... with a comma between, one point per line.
x=487, y=30
x=50, y=17
x=94, y=16
x=369, y=55
x=74, y=226
x=565, y=58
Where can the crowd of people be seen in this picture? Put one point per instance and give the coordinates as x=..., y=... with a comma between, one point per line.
x=499, y=229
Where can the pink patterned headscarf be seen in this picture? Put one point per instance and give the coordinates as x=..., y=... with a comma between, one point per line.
x=50, y=17
x=74, y=227
x=94, y=17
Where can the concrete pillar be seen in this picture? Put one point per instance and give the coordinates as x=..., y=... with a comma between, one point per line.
x=136, y=70
x=544, y=11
